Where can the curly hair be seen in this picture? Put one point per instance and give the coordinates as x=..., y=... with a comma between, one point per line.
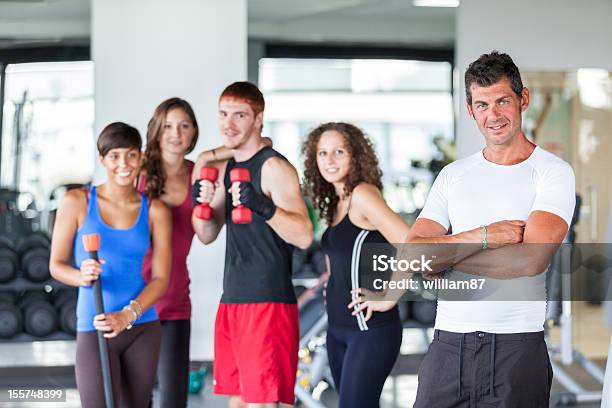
x=152, y=162
x=363, y=163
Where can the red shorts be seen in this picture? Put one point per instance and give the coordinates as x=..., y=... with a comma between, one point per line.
x=256, y=351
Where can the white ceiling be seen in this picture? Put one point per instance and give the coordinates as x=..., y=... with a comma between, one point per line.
x=387, y=21
x=295, y=9
x=44, y=10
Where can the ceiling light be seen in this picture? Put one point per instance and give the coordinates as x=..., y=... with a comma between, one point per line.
x=436, y=3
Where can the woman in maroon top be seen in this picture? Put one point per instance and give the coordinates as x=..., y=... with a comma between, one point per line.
x=171, y=134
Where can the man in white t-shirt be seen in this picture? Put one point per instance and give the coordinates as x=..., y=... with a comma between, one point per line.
x=492, y=353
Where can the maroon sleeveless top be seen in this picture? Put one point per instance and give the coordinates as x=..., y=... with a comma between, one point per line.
x=175, y=303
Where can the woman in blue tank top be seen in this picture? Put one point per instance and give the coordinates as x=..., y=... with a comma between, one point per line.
x=128, y=224
x=343, y=179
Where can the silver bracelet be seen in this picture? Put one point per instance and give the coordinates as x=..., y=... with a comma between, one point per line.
x=485, y=241
x=131, y=322
x=137, y=307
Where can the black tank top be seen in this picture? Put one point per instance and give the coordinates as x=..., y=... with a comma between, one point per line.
x=257, y=260
x=343, y=243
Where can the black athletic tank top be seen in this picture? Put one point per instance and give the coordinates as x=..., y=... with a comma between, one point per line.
x=343, y=243
x=257, y=260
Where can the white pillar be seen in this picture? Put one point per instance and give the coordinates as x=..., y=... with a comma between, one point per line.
x=147, y=51
x=548, y=35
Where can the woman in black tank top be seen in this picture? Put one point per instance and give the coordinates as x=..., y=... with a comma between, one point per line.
x=343, y=179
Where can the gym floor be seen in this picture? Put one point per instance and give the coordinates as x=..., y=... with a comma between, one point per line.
x=51, y=364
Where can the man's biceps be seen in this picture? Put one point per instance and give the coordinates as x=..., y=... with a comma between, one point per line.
x=284, y=191
x=424, y=227
x=289, y=203
x=543, y=220
x=545, y=227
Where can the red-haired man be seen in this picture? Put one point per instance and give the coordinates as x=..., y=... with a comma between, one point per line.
x=256, y=328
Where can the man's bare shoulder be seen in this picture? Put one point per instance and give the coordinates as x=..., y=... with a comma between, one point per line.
x=278, y=167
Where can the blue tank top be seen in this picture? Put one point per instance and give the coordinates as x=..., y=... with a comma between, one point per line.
x=123, y=250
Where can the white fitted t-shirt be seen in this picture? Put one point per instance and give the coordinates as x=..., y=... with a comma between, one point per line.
x=472, y=192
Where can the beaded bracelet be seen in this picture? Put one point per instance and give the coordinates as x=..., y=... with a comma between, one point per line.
x=138, y=308
x=131, y=322
x=485, y=243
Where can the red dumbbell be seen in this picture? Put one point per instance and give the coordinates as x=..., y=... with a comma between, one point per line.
x=241, y=214
x=204, y=211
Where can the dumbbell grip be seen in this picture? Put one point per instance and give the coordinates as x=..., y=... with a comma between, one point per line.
x=241, y=214
x=204, y=211
x=103, y=346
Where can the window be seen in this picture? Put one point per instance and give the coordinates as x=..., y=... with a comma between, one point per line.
x=47, y=135
x=404, y=106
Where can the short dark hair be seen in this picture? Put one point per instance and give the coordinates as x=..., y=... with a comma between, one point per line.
x=247, y=92
x=489, y=69
x=118, y=135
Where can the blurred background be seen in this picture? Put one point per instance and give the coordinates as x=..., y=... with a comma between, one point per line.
x=393, y=67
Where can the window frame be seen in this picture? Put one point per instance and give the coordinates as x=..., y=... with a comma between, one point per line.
x=44, y=53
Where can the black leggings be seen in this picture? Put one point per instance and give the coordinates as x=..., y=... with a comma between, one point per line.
x=133, y=358
x=360, y=362
x=173, y=367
